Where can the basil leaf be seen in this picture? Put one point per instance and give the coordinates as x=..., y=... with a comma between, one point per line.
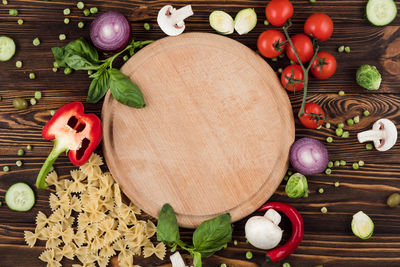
x=196, y=259
x=77, y=62
x=167, y=226
x=212, y=235
x=58, y=53
x=99, y=87
x=124, y=90
x=84, y=49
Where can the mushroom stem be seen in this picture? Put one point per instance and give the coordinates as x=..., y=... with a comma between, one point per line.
x=383, y=134
x=179, y=15
x=273, y=216
x=370, y=135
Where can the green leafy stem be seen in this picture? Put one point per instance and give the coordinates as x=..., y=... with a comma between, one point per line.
x=211, y=236
x=81, y=55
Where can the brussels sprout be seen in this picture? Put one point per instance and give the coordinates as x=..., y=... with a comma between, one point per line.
x=297, y=186
x=369, y=77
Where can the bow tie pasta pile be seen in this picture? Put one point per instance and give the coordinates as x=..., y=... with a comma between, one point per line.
x=89, y=221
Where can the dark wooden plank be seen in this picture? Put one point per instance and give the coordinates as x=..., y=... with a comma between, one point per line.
x=328, y=239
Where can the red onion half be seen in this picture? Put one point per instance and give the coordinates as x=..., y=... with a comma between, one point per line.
x=309, y=156
x=110, y=32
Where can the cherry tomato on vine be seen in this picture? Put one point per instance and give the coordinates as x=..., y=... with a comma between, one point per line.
x=278, y=12
x=271, y=43
x=323, y=66
x=313, y=117
x=303, y=46
x=293, y=76
x=320, y=26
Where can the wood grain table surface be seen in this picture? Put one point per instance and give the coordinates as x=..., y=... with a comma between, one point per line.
x=328, y=239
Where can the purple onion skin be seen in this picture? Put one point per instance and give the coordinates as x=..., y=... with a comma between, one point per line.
x=121, y=38
x=316, y=146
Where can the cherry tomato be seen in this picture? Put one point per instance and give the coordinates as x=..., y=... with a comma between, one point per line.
x=313, y=117
x=319, y=25
x=269, y=43
x=323, y=66
x=303, y=46
x=292, y=75
x=278, y=12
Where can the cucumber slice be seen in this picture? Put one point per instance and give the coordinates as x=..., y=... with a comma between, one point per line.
x=381, y=12
x=222, y=22
x=245, y=20
x=7, y=48
x=20, y=197
x=362, y=225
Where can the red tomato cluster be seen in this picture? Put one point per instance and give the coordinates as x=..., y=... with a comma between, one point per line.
x=272, y=43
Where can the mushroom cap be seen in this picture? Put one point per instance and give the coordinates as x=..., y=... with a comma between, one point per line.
x=389, y=134
x=262, y=233
x=167, y=25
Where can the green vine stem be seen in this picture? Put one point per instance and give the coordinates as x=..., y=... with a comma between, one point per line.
x=305, y=70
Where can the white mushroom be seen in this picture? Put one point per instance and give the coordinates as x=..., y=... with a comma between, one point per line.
x=176, y=260
x=263, y=232
x=383, y=134
x=171, y=20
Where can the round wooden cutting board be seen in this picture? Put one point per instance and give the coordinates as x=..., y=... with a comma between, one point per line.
x=214, y=136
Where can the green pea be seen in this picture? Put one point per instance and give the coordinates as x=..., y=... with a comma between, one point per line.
x=5, y=2
x=366, y=113
x=337, y=163
x=55, y=64
x=324, y=210
x=20, y=152
x=20, y=21
x=339, y=131
x=6, y=169
x=337, y=184
x=282, y=55
x=361, y=163
x=342, y=163
x=369, y=147
x=18, y=64
x=249, y=255
x=345, y=134
x=347, y=49
x=280, y=70
x=321, y=190
x=327, y=125
x=266, y=22
x=393, y=200
x=356, y=119
x=80, y=5
x=275, y=59
x=286, y=264
x=32, y=76
x=340, y=125
x=223, y=265
x=52, y=112
x=94, y=10
x=55, y=69
x=13, y=12
x=67, y=71
x=125, y=58
x=289, y=173
x=330, y=164
x=1, y=98
x=292, y=62
x=355, y=166
x=62, y=37
x=81, y=25
x=350, y=122
x=89, y=72
x=67, y=11
x=341, y=49
x=235, y=242
x=66, y=21
x=20, y=103
x=328, y=171
x=86, y=12
x=341, y=93
x=286, y=178
x=146, y=26
x=38, y=95
x=329, y=139
x=18, y=163
x=33, y=101
x=29, y=147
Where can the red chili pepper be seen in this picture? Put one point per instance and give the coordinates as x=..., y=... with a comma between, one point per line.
x=295, y=239
x=74, y=132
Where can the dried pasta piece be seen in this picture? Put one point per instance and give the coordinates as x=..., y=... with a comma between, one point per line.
x=97, y=243
x=160, y=251
x=57, y=216
x=53, y=242
x=83, y=221
x=76, y=204
x=67, y=235
x=132, y=219
x=103, y=261
x=76, y=187
x=44, y=234
x=53, y=263
x=66, y=183
x=68, y=250
x=80, y=238
x=125, y=258
x=46, y=255
x=52, y=178
x=135, y=209
x=107, y=251
x=30, y=238
x=117, y=195
x=122, y=227
x=56, y=230
x=57, y=254
x=111, y=235
x=119, y=245
x=41, y=220
x=150, y=229
x=123, y=211
x=91, y=167
x=78, y=175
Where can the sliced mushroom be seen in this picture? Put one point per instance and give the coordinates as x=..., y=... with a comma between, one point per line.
x=171, y=20
x=383, y=134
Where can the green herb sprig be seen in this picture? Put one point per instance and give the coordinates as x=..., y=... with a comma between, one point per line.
x=211, y=236
x=81, y=55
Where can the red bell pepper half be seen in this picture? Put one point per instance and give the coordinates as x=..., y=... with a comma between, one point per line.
x=73, y=132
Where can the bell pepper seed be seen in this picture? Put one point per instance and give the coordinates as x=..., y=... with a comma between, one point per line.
x=324, y=210
x=66, y=21
x=280, y=70
x=67, y=11
x=368, y=146
x=345, y=134
x=339, y=131
x=337, y=184
x=249, y=255
x=13, y=12
x=361, y=163
x=20, y=21
x=329, y=139
x=20, y=152
x=36, y=41
x=6, y=169
x=80, y=5
x=18, y=163
x=38, y=95
x=321, y=190
x=81, y=25
x=86, y=12
x=355, y=166
x=32, y=76
x=341, y=49
x=328, y=171
x=62, y=37
x=18, y=64
x=330, y=164
x=94, y=10
x=33, y=101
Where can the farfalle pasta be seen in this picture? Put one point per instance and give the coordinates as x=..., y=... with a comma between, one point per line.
x=89, y=222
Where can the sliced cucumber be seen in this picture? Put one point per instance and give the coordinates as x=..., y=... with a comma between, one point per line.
x=245, y=20
x=7, y=48
x=20, y=197
x=381, y=12
x=362, y=225
x=222, y=22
